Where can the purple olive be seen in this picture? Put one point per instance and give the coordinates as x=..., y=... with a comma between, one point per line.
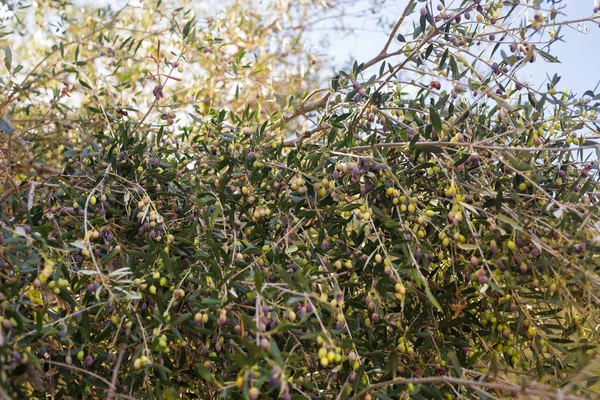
x=89, y=360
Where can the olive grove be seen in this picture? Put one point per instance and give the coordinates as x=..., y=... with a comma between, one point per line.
x=192, y=206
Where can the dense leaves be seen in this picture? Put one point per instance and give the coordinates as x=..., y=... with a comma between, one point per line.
x=423, y=237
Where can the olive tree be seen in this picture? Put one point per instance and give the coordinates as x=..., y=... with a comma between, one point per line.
x=187, y=212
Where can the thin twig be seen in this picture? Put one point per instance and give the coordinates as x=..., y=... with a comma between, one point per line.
x=472, y=145
x=84, y=371
x=308, y=107
x=88, y=243
x=115, y=374
x=556, y=393
x=383, y=53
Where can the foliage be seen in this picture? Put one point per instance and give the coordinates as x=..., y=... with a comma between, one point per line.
x=426, y=230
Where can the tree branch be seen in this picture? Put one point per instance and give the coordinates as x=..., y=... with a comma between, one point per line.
x=115, y=374
x=305, y=135
x=468, y=382
x=397, y=25
x=308, y=107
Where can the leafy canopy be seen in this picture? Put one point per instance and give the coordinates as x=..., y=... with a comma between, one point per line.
x=184, y=214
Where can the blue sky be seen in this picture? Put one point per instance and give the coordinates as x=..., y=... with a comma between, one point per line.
x=579, y=53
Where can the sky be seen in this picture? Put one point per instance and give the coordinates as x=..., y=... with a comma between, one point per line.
x=579, y=53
